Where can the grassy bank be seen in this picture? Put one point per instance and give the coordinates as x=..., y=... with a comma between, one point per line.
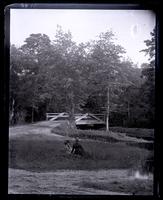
x=84, y=134
x=147, y=134
x=111, y=137
x=64, y=129
x=44, y=154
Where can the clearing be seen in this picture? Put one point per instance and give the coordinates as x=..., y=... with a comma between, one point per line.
x=39, y=165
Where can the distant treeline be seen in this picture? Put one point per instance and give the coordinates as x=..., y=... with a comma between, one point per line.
x=62, y=76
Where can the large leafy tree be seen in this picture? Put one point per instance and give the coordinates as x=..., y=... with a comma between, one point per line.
x=28, y=63
x=16, y=68
x=151, y=48
x=69, y=84
x=39, y=48
x=148, y=73
x=103, y=66
x=108, y=76
x=60, y=75
x=138, y=99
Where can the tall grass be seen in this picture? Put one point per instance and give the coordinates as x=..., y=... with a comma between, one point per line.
x=48, y=154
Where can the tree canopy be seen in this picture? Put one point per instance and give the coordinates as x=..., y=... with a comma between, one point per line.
x=62, y=76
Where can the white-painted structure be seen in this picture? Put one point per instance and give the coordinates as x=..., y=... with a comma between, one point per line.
x=87, y=119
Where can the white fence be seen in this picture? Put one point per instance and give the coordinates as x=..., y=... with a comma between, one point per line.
x=54, y=116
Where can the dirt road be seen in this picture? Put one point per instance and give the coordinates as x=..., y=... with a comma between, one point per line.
x=44, y=128
x=40, y=128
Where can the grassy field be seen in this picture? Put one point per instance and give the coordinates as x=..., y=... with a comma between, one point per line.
x=111, y=137
x=49, y=154
x=38, y=162
x=137, y=187
x=92, y=182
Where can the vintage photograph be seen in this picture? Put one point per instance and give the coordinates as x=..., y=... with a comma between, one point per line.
x=81, y=101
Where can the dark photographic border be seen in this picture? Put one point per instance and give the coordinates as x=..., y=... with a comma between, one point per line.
x=4, y=85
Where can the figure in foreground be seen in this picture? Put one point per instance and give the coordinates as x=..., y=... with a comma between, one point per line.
x=77, y=148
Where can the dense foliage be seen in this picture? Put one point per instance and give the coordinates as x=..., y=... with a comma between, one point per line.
x=62, y=76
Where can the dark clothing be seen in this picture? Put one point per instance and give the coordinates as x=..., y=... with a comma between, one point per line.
x=77, y=149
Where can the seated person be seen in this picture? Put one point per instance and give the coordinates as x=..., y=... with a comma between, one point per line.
x=77, y=149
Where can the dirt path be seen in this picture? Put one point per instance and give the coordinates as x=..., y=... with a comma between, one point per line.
x=40, y=128
x=44, y=128
x=62, y=181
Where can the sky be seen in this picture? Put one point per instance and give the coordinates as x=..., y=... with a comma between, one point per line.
x=130, y=27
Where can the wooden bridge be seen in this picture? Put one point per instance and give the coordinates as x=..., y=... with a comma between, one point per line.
x=81, y=120
x=64, y=115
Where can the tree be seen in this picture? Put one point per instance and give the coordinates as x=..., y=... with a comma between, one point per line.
x=15, y=70
x=107, y=73
x=62, y=76
x=147, y=90
x=151, y=46
x=29, y=63
x=39, y=48
x=68, y=84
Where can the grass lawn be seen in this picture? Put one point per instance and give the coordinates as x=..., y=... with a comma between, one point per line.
x=147, y=134
x=137, y=133
x=136, y=187
x=44, y=154
x=35, y=148
x=132, y=136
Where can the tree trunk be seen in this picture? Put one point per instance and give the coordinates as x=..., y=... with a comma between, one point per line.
x=107, y=112
x=71, y=113
x=70, y=103
x=12, y=114
x=32, y=114
x=128, y=111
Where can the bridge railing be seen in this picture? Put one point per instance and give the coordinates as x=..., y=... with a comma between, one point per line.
x=53, y=116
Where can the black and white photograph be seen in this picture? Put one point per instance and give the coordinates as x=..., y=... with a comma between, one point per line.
x=81, y=101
